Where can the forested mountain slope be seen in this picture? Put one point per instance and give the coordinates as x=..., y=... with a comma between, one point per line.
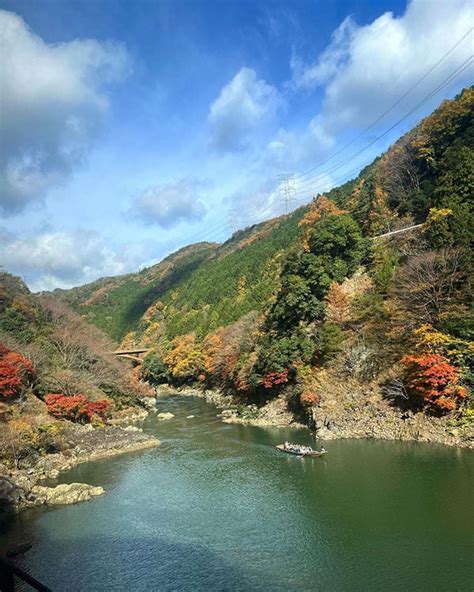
x=116, y=303
x=201, y=286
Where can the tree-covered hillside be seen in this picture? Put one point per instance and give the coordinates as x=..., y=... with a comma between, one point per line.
x=54, y=368
x=115, y=304
x=281, y=305
x=198, y=288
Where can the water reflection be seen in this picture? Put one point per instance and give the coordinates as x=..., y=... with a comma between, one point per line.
x=218, y=508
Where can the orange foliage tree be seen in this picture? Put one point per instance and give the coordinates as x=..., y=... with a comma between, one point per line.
x=212, y=347
x=338, y=304
x=16, y=372
x=432, y=380
x=309, y=399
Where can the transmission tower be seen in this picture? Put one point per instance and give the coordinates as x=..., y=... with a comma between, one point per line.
x=286, y=190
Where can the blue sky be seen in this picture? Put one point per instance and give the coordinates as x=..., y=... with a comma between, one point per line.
x=130, y=129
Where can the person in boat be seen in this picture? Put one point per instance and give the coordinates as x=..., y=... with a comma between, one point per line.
x=323, y=450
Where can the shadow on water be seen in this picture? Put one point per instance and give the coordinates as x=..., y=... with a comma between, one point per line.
x=138, y=564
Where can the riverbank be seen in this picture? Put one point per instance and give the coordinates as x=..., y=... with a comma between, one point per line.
x=347, y=410
x=24, y=487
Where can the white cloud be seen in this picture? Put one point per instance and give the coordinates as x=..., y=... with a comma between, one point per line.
x=289, y=150
x=52, y=102
x=366, y=68
x=328, y=63
x=242, y=106
x=63, y=259
x=167, y=205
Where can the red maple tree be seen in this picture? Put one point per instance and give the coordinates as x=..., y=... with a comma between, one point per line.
x=15, y=372
x=433, y=380
x=274, y=378
x=76, y=408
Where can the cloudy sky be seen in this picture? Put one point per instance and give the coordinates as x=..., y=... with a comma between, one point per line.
x=131, y=128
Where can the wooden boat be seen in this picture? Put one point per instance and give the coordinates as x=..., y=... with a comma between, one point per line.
x=282, y=448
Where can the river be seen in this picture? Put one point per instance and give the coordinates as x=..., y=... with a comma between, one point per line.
x=217, y=508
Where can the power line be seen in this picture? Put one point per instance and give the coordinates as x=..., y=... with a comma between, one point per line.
x=309, y=185
x=397, y=102
x=445, y=82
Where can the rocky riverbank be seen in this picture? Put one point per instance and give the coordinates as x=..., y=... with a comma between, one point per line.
x=347, y=410
x=23, y=487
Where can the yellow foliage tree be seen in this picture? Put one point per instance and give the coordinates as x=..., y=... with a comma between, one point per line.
x=185, y=359
x=212, y=347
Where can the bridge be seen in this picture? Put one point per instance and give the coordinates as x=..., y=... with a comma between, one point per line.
x=136, y=354
x=388, y=234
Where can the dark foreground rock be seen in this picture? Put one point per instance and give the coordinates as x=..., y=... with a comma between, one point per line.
x=9, y=492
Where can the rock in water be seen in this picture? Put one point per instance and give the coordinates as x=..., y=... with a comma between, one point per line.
x=66, y=493
x=189, y=416
x=165, y=415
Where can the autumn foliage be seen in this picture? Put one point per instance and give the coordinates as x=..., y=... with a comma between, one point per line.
x=432, y=380
x=76, y=408
x=15, y=372
x=338, y=304
x=273, y=379
x=185, y=358
x=316, y=211
x=309, y=399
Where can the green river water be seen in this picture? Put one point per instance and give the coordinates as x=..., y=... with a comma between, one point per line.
x=217, y=508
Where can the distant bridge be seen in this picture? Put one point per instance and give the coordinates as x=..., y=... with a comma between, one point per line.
x=136, y=354
x=387, y=234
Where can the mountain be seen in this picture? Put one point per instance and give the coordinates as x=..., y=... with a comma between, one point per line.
x=419, y=171
x=285, y=304
x=202, y=285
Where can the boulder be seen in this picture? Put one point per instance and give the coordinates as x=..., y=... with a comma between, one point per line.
x=149, y=402
x=190, y=416
x=66, y=493
x=165, y=415
x=9, y=492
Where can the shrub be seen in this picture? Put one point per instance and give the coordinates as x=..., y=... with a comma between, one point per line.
x=273, y=379
x=309, y=399
x=76, y=408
